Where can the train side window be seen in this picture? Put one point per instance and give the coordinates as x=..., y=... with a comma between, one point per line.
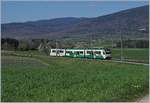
x=89, y=52
x=68, y=52
x=81, y=52
x=53, y=51
x=61, y=51
x=77, y=52
x=97, y=52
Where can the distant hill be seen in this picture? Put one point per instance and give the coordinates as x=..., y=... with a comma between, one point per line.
x=132, y=22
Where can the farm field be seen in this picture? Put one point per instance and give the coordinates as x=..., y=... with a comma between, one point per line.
x=43, y=78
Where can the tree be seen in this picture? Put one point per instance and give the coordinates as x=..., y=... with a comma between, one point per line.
x=44, y=46
x=23, y=45
x=9, y=43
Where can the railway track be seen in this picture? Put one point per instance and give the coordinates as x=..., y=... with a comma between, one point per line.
x=113, y=60
x=128, y=62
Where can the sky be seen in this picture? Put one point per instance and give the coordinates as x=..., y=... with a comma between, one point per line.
x=22, y=11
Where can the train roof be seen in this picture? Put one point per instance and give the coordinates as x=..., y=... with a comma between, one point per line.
x=85, y=49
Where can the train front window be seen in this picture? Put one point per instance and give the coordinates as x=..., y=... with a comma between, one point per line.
x=108, y=52
x=104, y=52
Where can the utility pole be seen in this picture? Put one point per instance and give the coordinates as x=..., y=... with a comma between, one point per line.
x=112, y=41
x=6, y=44
x=91, y=41
x=92, y=37
x=56, y=46
x=121, y=45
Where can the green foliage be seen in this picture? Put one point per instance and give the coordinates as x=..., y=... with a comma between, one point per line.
x=66, y=79
x=9, y=44
x=23, y=45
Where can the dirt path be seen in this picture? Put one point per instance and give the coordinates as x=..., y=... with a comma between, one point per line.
x=144, y=100
x=44, y=63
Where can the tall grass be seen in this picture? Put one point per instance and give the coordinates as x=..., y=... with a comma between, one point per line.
x=66, y=79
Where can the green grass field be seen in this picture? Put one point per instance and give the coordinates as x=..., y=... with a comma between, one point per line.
x=43, y=78
x=141, y=55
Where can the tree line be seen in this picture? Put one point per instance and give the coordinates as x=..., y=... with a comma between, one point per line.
x=33, y=44
x=43, y=44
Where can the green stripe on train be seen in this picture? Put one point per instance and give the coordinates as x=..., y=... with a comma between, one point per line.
x=85, y=56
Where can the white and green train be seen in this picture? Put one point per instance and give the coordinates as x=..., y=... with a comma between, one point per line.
x=91, y=53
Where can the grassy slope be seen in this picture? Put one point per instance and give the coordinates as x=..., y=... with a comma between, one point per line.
x=71, y=80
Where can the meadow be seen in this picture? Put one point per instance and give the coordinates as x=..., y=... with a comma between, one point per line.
x=42, y=78
x=132, y=54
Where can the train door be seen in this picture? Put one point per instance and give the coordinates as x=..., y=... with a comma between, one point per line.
x=69, y=53
x=53, y=52
x=88, y=53
x=60, y=52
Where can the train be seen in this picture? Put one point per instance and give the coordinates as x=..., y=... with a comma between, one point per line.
x=91, y=53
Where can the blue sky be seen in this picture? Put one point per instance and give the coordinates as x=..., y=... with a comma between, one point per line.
x=13, y=11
